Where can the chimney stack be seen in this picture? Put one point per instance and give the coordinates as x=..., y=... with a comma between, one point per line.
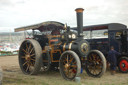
x=79, y=12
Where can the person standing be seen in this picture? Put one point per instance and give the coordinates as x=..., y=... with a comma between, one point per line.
x=112, y=59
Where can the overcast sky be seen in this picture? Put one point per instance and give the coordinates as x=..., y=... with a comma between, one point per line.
x=17, y=13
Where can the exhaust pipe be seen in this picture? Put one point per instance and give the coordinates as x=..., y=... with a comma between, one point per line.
x=79, y=12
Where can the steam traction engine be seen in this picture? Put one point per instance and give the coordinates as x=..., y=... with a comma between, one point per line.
x=57, y=47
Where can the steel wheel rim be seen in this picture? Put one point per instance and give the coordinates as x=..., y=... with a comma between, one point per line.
x=123, y=65
x=94, y=64
x=27, y=57
x=69, y=66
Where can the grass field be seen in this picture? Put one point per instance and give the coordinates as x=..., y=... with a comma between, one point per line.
x=14, y=76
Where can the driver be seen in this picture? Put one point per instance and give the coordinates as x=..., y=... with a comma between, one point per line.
x=55, y=32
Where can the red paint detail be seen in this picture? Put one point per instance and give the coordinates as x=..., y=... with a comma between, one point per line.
x=73, y=70
x=95, y=28
x=28, y=38
x=125, y=68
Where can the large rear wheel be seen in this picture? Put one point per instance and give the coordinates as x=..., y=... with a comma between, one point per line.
x=96, y=64
x=30, y=54
x=70, y=65
x=123, y=64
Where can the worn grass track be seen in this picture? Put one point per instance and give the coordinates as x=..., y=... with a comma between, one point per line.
x=14, y=76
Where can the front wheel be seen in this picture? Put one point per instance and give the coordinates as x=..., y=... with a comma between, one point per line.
x=30, y=54
x=123, y=64
x=96, y=64
x=70, y=65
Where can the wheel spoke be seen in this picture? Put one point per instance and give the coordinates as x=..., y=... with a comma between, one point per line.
x=100, y=64
x=25, y=63
x=74, y=62
x=23, y=57
x=64, y=62
x=74, y=66
x=27, y=68
x=89, y=67
x=29, y=48
x=68, y=73
x=90, y=58
x=98, y=67
x=32, y=64
x=71, y=60
x=25, y=51
x=94, y=56
x=67, y=58
x=98, y=60
x=32, y=54
x=32, y=59
x=94, y=71
x=71, y=73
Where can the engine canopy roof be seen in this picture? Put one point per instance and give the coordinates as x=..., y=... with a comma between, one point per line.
x=45, y=26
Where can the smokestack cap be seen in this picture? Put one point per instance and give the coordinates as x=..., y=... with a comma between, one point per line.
x=79, y=9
